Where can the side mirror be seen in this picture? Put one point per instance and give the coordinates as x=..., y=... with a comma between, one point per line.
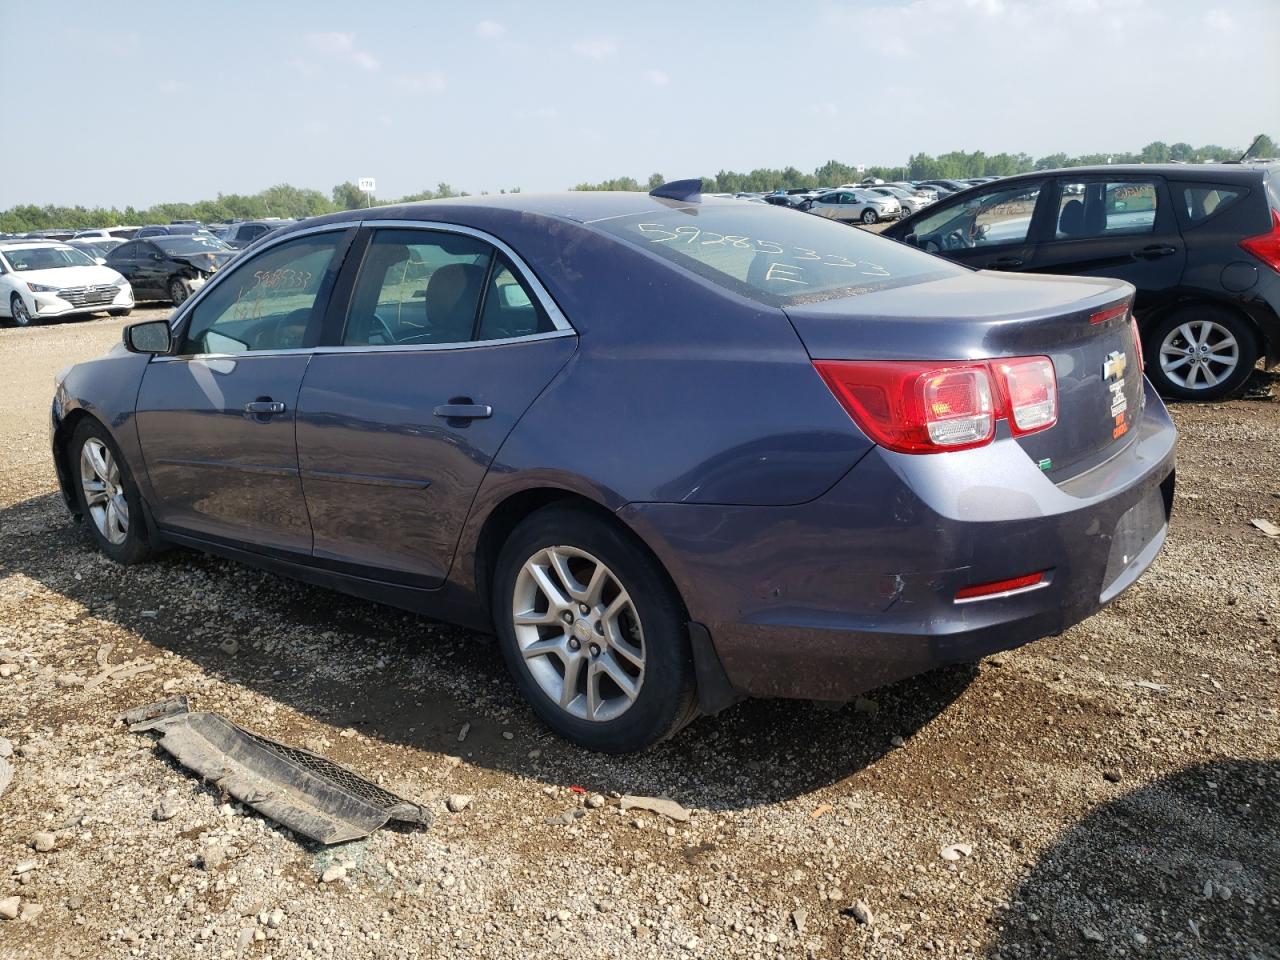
x=150, y=336
x=912, y=239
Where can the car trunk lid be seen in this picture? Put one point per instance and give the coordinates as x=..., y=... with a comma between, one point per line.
x=1082, y=324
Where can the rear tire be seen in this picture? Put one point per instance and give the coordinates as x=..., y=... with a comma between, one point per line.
x=548, y=571
x=108, y=498
x=1201, y=352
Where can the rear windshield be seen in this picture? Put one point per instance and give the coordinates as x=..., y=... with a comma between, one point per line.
x=189, y=244
x=775, y=255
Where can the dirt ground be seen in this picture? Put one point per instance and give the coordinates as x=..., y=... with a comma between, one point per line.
x=1118, y=787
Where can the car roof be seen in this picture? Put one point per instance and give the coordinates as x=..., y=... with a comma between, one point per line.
x=26, y=244
x=1176, y=171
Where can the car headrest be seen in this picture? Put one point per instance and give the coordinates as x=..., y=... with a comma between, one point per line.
x=1071, y=219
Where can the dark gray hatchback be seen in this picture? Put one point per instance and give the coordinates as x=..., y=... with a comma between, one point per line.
x=673, y=451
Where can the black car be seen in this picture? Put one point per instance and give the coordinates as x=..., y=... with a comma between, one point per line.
x=172, y=230
x=169, y=267
x=1200, y=243
x=240, y=235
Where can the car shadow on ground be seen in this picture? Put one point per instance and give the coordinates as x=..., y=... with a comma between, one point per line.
x=1187, y=866
x=404, y=679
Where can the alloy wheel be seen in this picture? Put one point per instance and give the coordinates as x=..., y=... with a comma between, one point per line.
x=869, y=216
x=177, y=292
x=1199, y=354
x=104, y=491
x=578, y=632
x=18, y=308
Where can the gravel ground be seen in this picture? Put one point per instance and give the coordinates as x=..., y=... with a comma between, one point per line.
x=1112, y=792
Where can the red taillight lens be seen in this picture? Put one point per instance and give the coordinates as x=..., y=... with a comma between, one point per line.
x=928, y=407
x=1266, y=246
x=915, y=407
x=1137, y=345
x=1031, y=393
x=1000, y=587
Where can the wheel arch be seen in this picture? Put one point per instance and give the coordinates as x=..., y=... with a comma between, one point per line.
x=1157, y=315
x=62, y=434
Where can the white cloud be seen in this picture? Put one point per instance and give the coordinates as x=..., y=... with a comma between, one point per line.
x=428, y=81
x=490, y=29
x=546, y=113
x=596, y=48
x=992, y=8
x=659, y=78
x=825, y=109
x=1220, y=20
x=341, y=46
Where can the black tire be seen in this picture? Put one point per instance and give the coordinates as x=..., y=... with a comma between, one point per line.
x=1200, y=318
x=121, y=313
x=870, y=216
x=18, y=311
x=666, y=700
x=135, y=547
x=178, y=292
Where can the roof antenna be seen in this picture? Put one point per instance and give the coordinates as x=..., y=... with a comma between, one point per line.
x=1250, y=150
x=690, y=190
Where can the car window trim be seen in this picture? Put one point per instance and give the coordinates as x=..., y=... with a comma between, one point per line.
x=347, y=231
x=1166, y=221
x=350, y=274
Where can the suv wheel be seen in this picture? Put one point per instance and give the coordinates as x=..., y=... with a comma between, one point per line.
x=593, y=632
x=1200, y=352
x=109, y=499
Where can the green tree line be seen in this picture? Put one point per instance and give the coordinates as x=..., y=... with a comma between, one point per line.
x=284, y=200
x=957, y=164
x=281, y=200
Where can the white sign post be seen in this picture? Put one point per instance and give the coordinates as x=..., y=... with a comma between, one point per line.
x=368, y=185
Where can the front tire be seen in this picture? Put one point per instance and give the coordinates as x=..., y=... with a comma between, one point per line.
x=108, y=498
x=870, y=216
x=1200, y=352
x=178, y=292
x=18, y=311
x=124, y=312
x=593, y=632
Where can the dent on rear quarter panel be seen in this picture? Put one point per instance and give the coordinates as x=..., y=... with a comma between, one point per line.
x=680, y=391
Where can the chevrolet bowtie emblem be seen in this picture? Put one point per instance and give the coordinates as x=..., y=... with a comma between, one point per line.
x=1114, y=365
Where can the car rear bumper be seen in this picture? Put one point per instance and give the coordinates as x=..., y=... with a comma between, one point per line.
x=857, y=588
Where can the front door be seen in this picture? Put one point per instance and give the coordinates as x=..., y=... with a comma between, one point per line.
x=444, y=346
x=1119, y=227
x=216, y=420
x=991, y=229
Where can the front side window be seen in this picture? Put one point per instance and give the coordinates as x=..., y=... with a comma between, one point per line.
x=417, y=287
x=1098, y=208
x=776, y=257
x=271, y=302
x=990, y=218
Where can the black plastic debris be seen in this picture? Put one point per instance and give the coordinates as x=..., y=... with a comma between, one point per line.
x=309, y=794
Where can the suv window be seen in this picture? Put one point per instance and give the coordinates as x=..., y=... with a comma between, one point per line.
x=510, y=310
x=270, y=302
x=986, y=219
x=417, y=287
x=1099, y=208
x=1203, y=200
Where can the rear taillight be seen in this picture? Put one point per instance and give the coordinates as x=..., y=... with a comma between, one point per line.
x=1137, y=345
x=1266, y=246
x=928, y=407
x=1030, y=393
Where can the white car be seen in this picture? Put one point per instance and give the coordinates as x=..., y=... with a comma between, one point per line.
x=911, y=201
x=42, y=278
x=850, y=205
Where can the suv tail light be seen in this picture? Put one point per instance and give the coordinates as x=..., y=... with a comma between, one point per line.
x=928, y=407
x=1266, y=246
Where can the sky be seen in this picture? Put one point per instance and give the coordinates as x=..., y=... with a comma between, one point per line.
x=138, y=102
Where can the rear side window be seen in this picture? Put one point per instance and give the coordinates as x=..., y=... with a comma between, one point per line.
x=509, y=308
x=1097, y=209
x=1202, y=200
x=417, y=287
x=773, y=255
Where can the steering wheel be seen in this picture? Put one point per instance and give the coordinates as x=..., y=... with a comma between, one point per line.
x=955, y=240
x=379, y=326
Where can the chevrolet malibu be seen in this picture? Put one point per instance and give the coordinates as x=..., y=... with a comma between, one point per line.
x=672, y=450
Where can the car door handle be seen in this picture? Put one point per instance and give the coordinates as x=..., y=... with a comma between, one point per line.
x=264, y=408
x=1005, y=263
x=463, y=411
x=1154, y=251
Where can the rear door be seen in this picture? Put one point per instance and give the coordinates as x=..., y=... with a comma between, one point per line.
x=216, y=420
x=1122, y=227
x=444, y=342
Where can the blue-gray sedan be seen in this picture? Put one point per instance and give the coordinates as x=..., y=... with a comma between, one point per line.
x=672, y=450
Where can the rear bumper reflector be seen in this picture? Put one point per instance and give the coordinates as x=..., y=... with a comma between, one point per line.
x=1002, y=588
